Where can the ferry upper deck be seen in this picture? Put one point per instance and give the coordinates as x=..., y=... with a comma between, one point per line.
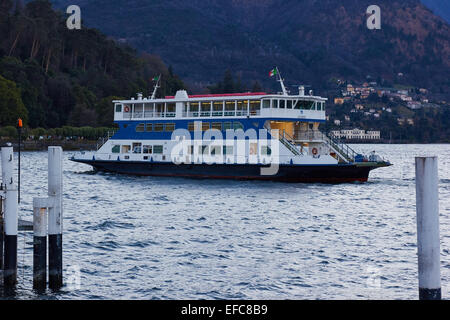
x=182, y=106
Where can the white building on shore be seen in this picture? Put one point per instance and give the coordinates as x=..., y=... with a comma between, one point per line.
x=357, y=134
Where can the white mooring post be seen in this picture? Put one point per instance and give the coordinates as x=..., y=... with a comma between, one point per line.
x=428, y=241
x=40, y=243
x=55, y=183
x=10, y=219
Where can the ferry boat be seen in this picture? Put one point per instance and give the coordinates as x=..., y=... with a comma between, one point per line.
x=248, y=136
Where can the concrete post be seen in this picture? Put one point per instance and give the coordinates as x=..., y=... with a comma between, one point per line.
x=55, y=183
x=39, y=244
x=428, y=241
x=10, y=219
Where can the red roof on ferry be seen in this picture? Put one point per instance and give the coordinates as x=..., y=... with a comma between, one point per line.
x=224, y=95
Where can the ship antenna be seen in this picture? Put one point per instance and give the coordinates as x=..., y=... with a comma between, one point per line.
x=158, y=79
x=281, y=80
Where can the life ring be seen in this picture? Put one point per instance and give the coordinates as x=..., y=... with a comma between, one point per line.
x=127, y=109
x=315, y=151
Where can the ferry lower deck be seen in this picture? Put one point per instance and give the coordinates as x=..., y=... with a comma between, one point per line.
x=337, y=173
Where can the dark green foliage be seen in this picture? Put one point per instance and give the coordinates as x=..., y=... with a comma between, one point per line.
x=69, y=76
x=228, y=85
x=11, y=105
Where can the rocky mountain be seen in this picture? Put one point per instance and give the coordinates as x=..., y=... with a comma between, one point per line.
x=311, y=41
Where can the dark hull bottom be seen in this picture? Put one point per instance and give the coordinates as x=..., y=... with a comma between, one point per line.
x=286, y=173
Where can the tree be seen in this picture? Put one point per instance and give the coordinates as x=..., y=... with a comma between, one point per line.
x=257, y=87
x=11, y=105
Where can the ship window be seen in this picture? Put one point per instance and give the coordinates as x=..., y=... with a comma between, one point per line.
x=253, y=148
x=191, y=126
x=137, y=147
x=229, y=108
x=205, y=126
x=275, y=104
x=125, y=126
x=147, y=149
x=158, y=127
x=215, y=150
x=116, y=149
x=282, y=104
x=158, y=149
x=191, y=150
x=255, y=106
x=217, y=125
x=126, y=149
x=206, y=108
x=171, y=107
x=227, y=125
x=228, y=150
x=217, y=108
x=170, y=127
x=159, y=110
x=140, y=127
x=266, y=104
x=306, y=105
x=118, y=108
x=242, y=107
x=149, y=127
x=148, y=110
x=203, y=150
x=193, y=106
x=289, y=104
x=238, y=125
x=266, y=151
x=297, y=104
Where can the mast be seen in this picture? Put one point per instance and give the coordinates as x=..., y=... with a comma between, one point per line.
x=156, y=87
x=280, y=79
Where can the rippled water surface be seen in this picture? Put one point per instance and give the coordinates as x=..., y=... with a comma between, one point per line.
x=173, y=238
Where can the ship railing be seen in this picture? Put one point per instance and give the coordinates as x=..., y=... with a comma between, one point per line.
x=217, y=113
x=345, y=152
x=103, y=140
x=152, y=114
x=343, y=149
x=311, y=135
x=286, y=139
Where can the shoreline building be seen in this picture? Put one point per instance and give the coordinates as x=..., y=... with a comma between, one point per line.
x=357, y=134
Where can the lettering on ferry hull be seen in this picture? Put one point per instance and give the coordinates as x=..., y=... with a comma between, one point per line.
x=211, y=148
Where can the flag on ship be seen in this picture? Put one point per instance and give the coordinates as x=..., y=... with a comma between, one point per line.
x=273, y=72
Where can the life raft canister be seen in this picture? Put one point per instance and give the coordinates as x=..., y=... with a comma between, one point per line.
x=127, y=109
x=315, y=151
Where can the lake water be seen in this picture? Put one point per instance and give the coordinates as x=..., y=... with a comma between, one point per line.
x=173, y=238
